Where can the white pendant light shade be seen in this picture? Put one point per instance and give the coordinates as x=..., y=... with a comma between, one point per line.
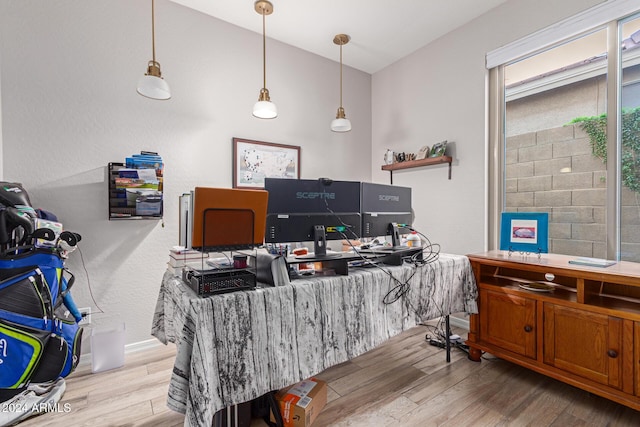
x=265, y=110
x=153, y=86
x=341, y=125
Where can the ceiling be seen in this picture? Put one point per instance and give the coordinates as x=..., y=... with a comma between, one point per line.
x=381, y=31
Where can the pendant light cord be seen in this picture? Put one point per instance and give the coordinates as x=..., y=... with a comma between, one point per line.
x=340, y=76
x=264, y=52
x=153, y=31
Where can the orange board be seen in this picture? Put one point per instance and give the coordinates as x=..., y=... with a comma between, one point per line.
x=223, y=218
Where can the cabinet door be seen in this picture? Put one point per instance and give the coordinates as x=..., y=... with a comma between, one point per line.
x=508, y=321
x=586, y=344
x=636, y=358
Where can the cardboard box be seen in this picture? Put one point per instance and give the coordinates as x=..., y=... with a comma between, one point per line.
x=301, y=403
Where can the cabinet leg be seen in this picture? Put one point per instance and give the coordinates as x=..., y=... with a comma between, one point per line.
x=475, y=354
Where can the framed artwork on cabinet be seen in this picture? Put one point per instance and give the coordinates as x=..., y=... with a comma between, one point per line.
x=524, y=232
x=253, y=161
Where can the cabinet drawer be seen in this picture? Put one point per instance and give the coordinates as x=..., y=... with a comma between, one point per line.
x=508, y=321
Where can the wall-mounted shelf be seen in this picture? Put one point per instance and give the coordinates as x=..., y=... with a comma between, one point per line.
x=429, y=161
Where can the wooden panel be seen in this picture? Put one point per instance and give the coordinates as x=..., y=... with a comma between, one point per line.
x=636, y=358
x=508, y=321
x=623, y=272
x=582, y=291
x=614, y=352
x=627, y=357
x=548, y=322
x=578, y=342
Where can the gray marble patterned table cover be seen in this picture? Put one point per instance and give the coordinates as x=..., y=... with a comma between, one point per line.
x=234, y=347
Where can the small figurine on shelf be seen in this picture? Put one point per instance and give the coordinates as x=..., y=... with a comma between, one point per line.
x=438, y=149
x=423, y=153
x=388, y=157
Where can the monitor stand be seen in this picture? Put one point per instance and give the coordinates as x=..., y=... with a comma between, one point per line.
x=337, y=262
x=320, y=246
x=394, y=256
x=396, y=242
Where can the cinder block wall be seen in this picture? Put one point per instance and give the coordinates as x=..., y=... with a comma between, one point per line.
x=554, y=171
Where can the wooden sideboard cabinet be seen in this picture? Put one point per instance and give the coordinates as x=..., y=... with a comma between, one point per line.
x=585, y=331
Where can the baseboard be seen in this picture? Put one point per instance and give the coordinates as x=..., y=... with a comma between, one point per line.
x=458, y=322
x=135, y=347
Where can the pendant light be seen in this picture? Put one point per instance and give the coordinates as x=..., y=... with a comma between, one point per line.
x=264, y=108
x=341, y=123
x=152, y=85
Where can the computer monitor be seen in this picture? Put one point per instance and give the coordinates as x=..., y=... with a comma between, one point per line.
x=224, y=219
x=386, y=210
x=312, y=210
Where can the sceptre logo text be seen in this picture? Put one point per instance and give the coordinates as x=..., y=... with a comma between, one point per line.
x=314, y=195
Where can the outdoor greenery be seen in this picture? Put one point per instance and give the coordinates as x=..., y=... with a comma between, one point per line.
x=596, y=128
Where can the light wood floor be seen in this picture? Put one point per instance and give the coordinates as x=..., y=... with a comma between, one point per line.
x=405, y=382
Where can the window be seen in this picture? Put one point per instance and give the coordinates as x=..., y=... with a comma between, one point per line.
x=565, y=138
x=549, y=164
x=630, y=141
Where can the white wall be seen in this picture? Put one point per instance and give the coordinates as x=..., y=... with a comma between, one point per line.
x=69, y=106
x=438, y=93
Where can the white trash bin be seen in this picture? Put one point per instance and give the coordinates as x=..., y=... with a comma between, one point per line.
x=107, y=348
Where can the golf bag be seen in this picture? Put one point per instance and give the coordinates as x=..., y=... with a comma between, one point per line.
x=40, y=339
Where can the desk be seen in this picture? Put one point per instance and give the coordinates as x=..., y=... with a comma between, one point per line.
x=235, y=347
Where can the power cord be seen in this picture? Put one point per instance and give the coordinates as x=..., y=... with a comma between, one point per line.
x=441, y=342
x=88, y=281
x=429, y=254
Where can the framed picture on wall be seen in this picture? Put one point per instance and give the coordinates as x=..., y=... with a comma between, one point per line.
x=253, y=161
x=524, y=232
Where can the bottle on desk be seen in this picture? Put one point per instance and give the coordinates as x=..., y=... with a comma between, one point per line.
x=413, y=240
